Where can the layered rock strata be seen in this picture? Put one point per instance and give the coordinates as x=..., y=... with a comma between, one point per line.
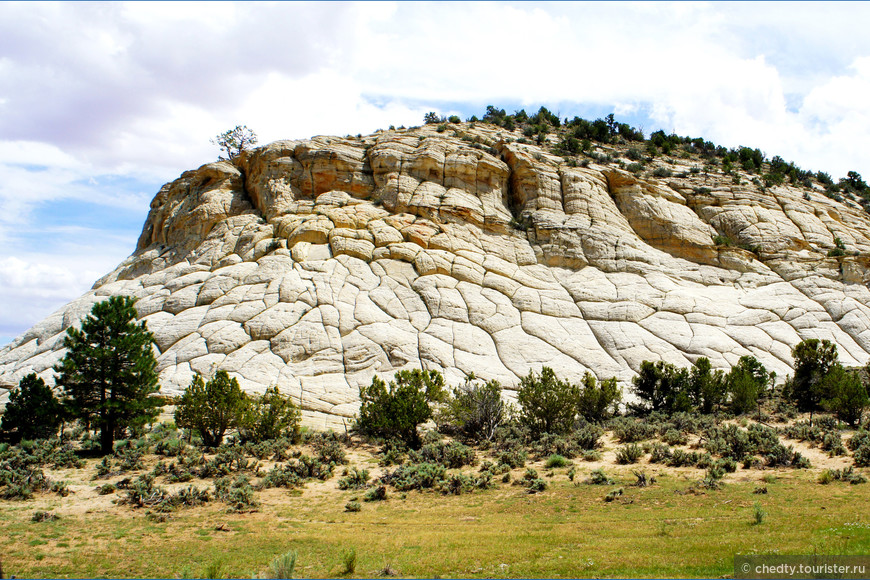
x=316, y=264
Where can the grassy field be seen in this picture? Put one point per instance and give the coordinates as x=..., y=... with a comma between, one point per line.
x=671, y=529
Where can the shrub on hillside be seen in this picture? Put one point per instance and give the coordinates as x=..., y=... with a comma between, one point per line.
x=211, y=407
x=395, y=411
x=270, y=416
x=475, y=409
x=548, y=404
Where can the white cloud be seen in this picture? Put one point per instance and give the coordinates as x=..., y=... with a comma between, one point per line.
x=36, y=286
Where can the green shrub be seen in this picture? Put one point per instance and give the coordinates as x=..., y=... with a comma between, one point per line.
x=643, y=480
x=591, y=455
x=396, y=412
x=861, y=456
x=329, y=449
x=456, y=484
x=613, y=494
x=859, y=439
x=588, y=436
x=680, y=458
x=236, y=492
x=354, y=479
x=283, y=566
x=378, y=493
x=106, y=489
x=825, y=477
x=628, y=430
x=475, y=409
x=598, y=477
x=416, y=476
x=674, y=437
x=628, y=454
x=513, y=458
x=713, y=477
x=348, y=558
x=536, y=485
x=759, y=514
x=660, y=453
x=44, y=517
x=555, y=461
x=450, y=455
x=270, y=416
x=352, y=506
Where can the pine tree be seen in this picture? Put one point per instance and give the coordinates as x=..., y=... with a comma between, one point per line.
x=109, y=371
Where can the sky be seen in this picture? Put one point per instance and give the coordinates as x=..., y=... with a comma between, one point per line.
x=102, y=103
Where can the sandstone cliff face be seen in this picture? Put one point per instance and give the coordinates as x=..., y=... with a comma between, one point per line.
x=316, y=264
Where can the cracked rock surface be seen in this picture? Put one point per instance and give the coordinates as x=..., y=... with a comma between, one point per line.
x=316, y=264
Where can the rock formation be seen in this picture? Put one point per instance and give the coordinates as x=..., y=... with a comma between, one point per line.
x=316, y=264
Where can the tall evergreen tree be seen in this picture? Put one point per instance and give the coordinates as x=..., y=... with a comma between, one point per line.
x=109, y=370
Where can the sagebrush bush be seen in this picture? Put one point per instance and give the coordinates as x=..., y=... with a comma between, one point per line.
x=451, y=455
x=352, y=506
x=598, y=477
x=861, y=455
x=354, y=478
x=629, y=430
x=628, y=454
x=513, y=458
x=378, y=493
x=44, y=517
x=674, y=437
x=588, y=437
x=660, y=453
x=282, y=566
x=236, y=492
x=555, y=460
x=415, y=476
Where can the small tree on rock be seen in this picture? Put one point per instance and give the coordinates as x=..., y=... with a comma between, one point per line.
x=109, y=371
x=33, y=412
x=235, y=141
x=211, y=408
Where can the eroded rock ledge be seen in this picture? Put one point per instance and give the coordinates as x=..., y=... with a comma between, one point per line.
x=315, y=264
